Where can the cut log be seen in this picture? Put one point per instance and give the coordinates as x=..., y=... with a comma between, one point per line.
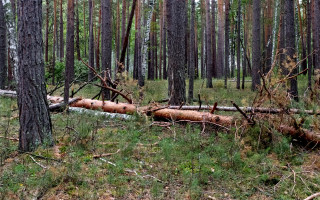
x=187, y=115
x=304, y=134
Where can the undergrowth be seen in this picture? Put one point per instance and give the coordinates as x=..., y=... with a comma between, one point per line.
x=157, y=160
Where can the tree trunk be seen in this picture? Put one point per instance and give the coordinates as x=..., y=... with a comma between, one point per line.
x=106, y=40
x=47, y=33
x=309, y=44
x=85, y=29
x=192, y=52
x=227, y=45
x=303, y=44
x=164, y=39
x=220, y=57
x=91, y=40
x=123, y=26
x=34, y=117
x=209, y=45
x=3, y=48
x=70, y=50
x=98, y=33
x=316, y=36
x=54, y=41
x=256, y=55
x=290, y=46
x=238, y=44
x=213, y=39
x=77, y=31
x=176, y=26
x=61, y=32
x=203, y=25
x=117, y=40
x=144, y=46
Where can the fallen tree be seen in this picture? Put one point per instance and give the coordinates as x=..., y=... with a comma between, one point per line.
x=175, y=114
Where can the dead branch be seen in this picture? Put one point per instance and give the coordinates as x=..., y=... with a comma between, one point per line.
x=313, y=196
x=106, y=154
x=10, y=138
x=243, y=113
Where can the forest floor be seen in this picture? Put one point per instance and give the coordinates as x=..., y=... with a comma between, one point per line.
x=148, y=159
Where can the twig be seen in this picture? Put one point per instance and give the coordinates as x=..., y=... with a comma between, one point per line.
x=106, y=154
x=10, y=138
x=44, y=167
x=243, y=113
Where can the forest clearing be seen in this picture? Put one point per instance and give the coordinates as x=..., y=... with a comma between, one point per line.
x=160, y=99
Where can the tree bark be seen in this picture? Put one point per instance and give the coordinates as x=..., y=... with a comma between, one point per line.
x=220, y=53
x=192, y=52
x=164, y=39
x=47, y=33
x=144, y=46
x=70, y=50
x=316, y=36
x=77, y=31
x=238, y=44
x=106, y=40
x=61, y=32
x=3, y=48
x=227, y=45
x=176, y=26
x=34, y=117
x=309, y=44
x=54, y=41
x=123, y=26
x=91, y=40
x=256, y=55
x=209, y=45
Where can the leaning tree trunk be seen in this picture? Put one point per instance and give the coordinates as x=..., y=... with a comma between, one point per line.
x=146, y=36
x=256, y=55
x=175, y=18
x=34, y=116
x=3, y=48
x=70, y=50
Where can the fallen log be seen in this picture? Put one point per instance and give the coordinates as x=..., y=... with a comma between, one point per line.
x=248, y=109
x=172, y=113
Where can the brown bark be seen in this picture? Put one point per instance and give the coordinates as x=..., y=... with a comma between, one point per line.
x=123, y=25
x=3, y=48
x=46, y=56
x=69, y=74
x=77, y=31
x=34, y=117
x=61, y=32
x=54, y=41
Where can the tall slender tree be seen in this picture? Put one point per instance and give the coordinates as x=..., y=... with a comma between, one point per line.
x=54, y=40
x=61, y=32
x=290, y=47
x=106, y=40
x=164, y=40
x=227, y=48
x=309, y=43
x=256, y=55
x=34, y=116
x=192, y=52
x=78, y=31
x=46, y=58
x=238, y=44
x=69, y=74
x=175, y=17
x=220, y=53
x=209, y=45
x=3, y=48
x=91, y=40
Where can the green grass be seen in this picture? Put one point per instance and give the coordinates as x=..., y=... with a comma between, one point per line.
x=180, y=161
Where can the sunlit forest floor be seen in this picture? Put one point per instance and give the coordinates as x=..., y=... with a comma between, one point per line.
x=147, y=159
